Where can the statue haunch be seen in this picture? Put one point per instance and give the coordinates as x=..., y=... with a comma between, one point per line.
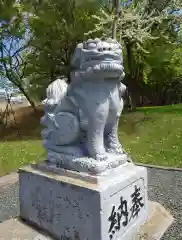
x=84, y=115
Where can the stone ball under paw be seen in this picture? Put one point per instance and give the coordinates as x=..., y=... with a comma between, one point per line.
x=67, y=126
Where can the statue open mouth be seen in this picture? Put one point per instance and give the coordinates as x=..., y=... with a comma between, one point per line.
x=108, y=63
x=108, y=67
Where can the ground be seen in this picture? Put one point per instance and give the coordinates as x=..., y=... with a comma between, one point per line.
x=151, y=135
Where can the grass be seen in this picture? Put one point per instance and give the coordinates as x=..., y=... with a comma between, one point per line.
x=152, y=135
x=21, y=143
x=15, y=154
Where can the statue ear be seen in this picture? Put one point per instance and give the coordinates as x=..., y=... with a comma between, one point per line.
x=76, y=59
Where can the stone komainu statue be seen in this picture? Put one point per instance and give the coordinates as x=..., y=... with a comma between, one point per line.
x=81, y=119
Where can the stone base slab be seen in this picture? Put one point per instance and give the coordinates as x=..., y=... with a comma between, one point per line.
x=102, y=178
x=78, y=162
x=77, y=209
x=159, y=221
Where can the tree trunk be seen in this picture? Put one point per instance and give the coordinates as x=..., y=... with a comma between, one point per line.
x=131, y=78
x=116, y=6
x=132, y=98
x=22, y=90
x=32, y=103
x=16, y=83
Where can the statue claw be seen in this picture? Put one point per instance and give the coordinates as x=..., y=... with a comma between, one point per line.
x=101, y=157
x=115, y=148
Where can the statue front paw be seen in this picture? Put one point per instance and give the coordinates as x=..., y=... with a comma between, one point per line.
x=115, y=148
x=96, y=151
x=101, y=157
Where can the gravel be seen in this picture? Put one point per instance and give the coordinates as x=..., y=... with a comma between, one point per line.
x=9, y=202
x=165, y=187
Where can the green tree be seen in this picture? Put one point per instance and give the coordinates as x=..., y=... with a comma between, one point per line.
x=56, y=27
x=13, y=45
x=162, y=74
x=139, y=22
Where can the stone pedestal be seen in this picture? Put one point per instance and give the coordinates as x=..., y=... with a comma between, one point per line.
x=78, y=206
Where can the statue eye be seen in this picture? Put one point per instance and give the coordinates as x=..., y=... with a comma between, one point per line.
x=109, y=49
x=100, y=49
x=104, y=49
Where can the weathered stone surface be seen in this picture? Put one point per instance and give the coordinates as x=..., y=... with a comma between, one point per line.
x=81, y=120
x=76, y=208
x=84, y=176
x=159, y=220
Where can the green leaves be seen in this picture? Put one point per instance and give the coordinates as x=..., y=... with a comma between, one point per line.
x=137, y=22
x=11, y=18
x=45, y=34
x=56, y=27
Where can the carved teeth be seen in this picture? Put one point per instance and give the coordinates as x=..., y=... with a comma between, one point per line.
x=108, y=67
